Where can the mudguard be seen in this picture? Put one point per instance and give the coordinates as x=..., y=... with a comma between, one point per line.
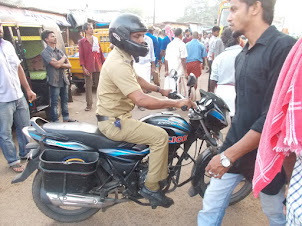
x=198, y=171
x=31, y=166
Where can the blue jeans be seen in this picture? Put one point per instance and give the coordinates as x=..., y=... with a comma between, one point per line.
x=217, y=198
x=16, y=112
x=55, y=92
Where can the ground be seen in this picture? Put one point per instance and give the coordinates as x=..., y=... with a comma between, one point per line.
x=18, y=208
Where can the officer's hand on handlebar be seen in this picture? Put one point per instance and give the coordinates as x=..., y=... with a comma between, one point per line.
x=185, y=104
x=165, y=92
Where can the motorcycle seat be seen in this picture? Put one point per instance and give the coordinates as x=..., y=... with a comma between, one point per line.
x=84, y=133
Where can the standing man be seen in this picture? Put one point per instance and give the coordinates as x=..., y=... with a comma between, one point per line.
x=56, y=62
x=196, y=56
x=223, y=69
x=145, y=67
x=166, y=40
x=91, y=60
x=156, y=45
x=120, y=89
x=257, y=69
x=13, y=105
x=215, y=48
x=188, y=36
x=176, y=59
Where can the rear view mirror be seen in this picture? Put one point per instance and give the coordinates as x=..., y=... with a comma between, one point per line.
x=173, y=74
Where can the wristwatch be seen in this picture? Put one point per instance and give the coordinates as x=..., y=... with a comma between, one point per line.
x=225, y=161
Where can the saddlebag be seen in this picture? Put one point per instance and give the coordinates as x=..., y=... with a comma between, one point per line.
x=68, y=171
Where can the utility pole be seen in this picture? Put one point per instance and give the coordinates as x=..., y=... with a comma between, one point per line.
x=154, y=13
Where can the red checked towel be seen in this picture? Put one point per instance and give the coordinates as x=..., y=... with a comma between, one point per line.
x=282, y=132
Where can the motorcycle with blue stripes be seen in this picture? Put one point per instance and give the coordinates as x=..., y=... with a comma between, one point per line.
x=80, y=171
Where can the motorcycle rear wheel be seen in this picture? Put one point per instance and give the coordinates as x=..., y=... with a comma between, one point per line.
x=56, y=212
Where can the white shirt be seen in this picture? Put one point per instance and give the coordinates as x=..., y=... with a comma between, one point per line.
x=150, y=56
x=215, y=46
x=10, y=87
x=223, y=67
x=176, y=50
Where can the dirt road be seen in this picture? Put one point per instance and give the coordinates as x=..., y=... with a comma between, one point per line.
x=18, y=208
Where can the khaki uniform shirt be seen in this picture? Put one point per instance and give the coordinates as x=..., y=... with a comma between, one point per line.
x=117, y=80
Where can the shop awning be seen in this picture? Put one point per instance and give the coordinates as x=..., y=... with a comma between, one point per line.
x=10, y=14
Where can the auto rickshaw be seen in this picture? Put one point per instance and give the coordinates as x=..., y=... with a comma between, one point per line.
x=26, y=38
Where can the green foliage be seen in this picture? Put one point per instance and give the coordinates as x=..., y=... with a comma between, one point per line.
x=200, y=11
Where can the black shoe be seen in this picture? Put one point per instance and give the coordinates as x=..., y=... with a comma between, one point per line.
x=156, y=198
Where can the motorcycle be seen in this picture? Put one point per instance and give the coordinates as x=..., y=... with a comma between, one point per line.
x=80, y=171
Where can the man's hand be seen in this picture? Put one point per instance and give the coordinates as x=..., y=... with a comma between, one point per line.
x=85, y=71
x=166, y=73
x=215, y=169
x=64, y=58
x=186, y=102
x=165, y=92
x=31, y=95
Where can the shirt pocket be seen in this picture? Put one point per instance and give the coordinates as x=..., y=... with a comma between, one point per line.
x=256, y=82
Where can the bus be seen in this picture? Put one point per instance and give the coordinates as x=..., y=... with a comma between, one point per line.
x=224, y=11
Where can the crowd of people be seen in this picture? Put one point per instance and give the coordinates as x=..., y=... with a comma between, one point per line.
x=259, y=81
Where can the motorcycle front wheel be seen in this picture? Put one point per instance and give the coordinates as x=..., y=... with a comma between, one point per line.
x=242, y=190
x=58, y=213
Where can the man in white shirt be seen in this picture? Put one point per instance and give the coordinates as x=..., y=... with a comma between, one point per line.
x=176, y=55
x=13, y=105
x=215, y=48
x=223, y=70
x=146, y=65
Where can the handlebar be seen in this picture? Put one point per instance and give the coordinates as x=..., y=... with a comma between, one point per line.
x=177, y=96
x=184, y=108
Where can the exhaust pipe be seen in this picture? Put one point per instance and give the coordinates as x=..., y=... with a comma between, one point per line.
x=81, y=200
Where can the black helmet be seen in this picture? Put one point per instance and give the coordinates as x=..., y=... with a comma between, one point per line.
x=119, y=34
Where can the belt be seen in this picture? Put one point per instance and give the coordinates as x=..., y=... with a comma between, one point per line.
x=227, y=84
x=101, y=118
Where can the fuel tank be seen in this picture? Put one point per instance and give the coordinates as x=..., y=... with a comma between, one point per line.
x=177, y=127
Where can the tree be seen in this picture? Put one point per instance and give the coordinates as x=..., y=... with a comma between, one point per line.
x=200, y=11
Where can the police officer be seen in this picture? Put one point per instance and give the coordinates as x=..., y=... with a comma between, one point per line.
x=120, y=89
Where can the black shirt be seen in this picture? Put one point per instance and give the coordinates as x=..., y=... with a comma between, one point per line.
x=256, y=72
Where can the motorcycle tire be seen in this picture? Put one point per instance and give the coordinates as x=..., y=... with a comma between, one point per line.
x=56, y=212
x=242, y=190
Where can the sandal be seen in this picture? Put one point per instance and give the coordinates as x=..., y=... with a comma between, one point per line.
x=18, y=168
